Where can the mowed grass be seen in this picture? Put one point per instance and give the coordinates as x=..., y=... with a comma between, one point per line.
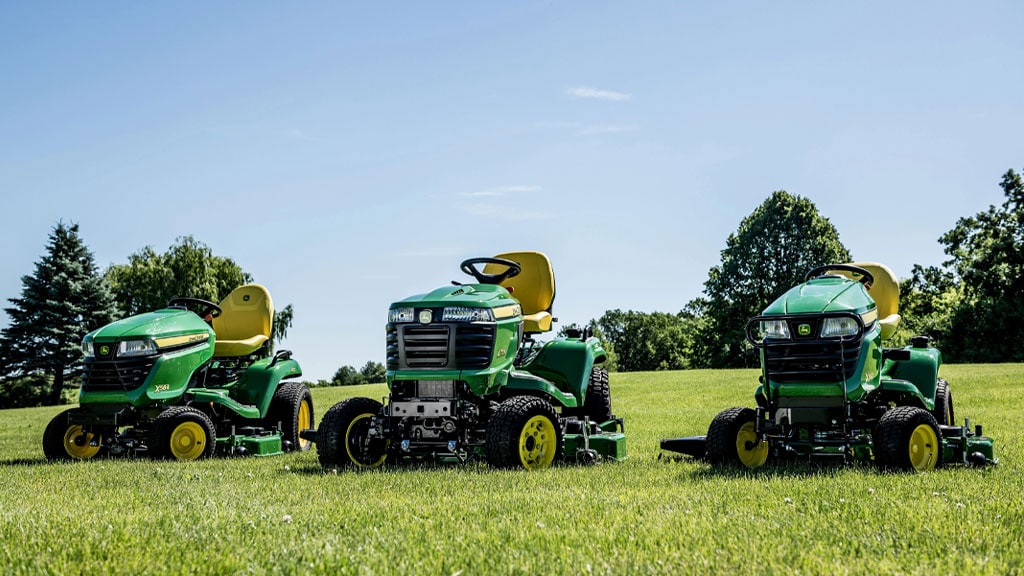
x=651, y=514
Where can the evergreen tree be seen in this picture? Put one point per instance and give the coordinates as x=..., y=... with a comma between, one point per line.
x=63, y=300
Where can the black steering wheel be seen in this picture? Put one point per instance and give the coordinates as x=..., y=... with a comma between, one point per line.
x=207, y=310
x=469, y=267
x=866, y=277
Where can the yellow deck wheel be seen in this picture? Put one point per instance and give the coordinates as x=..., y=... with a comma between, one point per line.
x=80, y=444
x=923, y=447
x=188, y=441
x=537, y=443
x=752, y=453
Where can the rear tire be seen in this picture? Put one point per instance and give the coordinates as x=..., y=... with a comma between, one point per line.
x=341, y=438
x=182, y=433
x=908, y=439
x=64, y=441
x=943, y=411
x=524, y=432
x=598, y=404
x=292, y=408
x=732, y=440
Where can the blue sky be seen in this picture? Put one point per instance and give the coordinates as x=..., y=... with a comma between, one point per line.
x=348, y=155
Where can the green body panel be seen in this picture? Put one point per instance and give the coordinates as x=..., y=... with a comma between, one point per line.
x=472, y=295
x=823, y=295
x=566, y=363
x=922, y=370
x=163, y=323
x=258, y=383
x=265, y=445
x=526, y=382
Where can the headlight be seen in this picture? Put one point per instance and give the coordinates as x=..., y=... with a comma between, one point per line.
x=840, y=326
x=464, y=314
x=775, y=329
x=87, y=350
x=400, y=315
x=136, y=348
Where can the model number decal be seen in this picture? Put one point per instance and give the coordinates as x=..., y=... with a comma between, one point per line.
x=162, y=387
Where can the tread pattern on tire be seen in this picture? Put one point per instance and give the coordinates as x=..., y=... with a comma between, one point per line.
x=506, y=425
x=892, y=437
x=159, y=444
x=721, y=438
x=598, y=404
x=943, y=396
x=330, y=435
x=284, y=408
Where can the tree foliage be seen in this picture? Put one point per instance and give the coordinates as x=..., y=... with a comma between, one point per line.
x=371, y=373
x=61, y=301
x=770, y=252
x=188, y=269
x=650, y=341
x=986, y=324
x=611, y=362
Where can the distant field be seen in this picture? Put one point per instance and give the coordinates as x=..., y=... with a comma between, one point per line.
x=647, y=515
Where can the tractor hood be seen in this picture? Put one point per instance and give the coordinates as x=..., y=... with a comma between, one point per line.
x=829, y=294
x=159, y=324
x=470, y=295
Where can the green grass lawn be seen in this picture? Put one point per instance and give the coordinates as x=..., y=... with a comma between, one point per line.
x=647, y=515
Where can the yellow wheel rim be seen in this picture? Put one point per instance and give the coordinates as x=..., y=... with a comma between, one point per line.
x=923, y=448
x=305, y=421
x=188, y=441
x=79, y=444
x=537, y=443
x=349, y=440
x=757, y=454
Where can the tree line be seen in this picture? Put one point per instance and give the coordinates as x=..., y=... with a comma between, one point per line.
x=972, y=305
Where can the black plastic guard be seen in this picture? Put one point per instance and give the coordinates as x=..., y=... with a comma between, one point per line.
x=695, y=446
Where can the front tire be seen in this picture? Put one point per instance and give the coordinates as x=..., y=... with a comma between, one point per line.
x=524, y=432
x=292, y=408
x=342, y=435
x=183, y=433
x=908, y=439
x=732, y=439
x=65, y=441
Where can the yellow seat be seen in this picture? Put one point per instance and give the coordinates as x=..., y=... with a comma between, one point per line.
x=885, y=291
x=534, y=287
x=245, y=322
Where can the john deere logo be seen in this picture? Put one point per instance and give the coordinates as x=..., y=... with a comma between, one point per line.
x=104, y=350
x=804, y=329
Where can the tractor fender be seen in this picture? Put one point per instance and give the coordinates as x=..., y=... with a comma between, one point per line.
x=260, y=380
x=902, y=393
x=566, y=363
x=221, y=397
x=536, y=386
x=921, y=370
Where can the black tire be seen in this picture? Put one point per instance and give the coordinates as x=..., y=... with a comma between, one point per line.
x=728, y=429
x=524, y=432
x=598, y=403
x=341, y=438
x=182, y=433
x=908, y=439
x=943, y=411
x=292, y=408
x=63, y=441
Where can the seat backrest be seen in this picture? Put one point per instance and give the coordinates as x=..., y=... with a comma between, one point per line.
x=534, y=287
x=885, y=290
x=246, y=312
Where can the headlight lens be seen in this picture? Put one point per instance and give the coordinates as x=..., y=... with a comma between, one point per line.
x=775, y=329
x=400, y=315
x=839, y=326
x=87, y=350
x=465, y=314
x=136, y=348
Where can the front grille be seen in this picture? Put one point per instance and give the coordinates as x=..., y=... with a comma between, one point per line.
x=439, y=346
x=116, y=375
x=817, y=361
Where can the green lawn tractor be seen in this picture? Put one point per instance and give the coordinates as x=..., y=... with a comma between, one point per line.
x=468, y=380
x=829, y=390
x=185, y=382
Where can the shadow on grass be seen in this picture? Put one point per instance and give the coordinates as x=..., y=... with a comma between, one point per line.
x=790, y=468
x=24, y=462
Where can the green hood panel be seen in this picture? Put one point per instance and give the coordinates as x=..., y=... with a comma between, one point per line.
x=823, y=295
x=477, y=295
x=157, y=324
